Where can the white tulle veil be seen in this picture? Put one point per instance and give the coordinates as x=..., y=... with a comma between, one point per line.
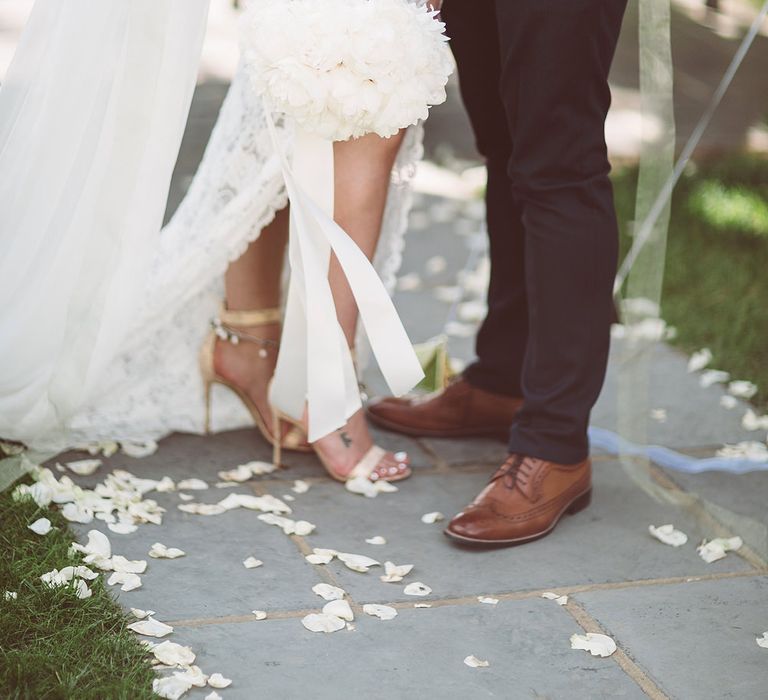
x=91, y=118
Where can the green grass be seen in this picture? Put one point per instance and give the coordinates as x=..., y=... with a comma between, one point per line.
x=53, y=645
x=716, y=277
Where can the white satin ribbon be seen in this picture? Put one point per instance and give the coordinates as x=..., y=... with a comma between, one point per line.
x=315, y=367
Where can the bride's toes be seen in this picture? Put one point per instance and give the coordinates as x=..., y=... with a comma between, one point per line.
x=393, y=467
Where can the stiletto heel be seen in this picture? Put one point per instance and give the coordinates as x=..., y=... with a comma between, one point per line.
x=225, y=328
x=277, y=446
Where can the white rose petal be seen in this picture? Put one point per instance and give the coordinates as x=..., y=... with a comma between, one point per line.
x=749, y=450
x=328, y=592
x=186, y=497
x=192, y=485
x=595, y=644
x=422, y=605
x=487, y=600
x=394, y=573
x=172, y=654
x=742, y=389
x=699, y=360
x=559, y=599
x=474, y=662
x=712, y=377
x=417, y=588
x=122, y=528
x=259, y=614
x=83, y=467
x=252, y=563
x=319, y=558
x=138, y=449
x=41, y=526
x=159, y=551
x=170, y=687
x=141, y=614
x=218, y=681
x=320, y=622
x=339, y=608
x=300, y=486
x=728, y=401
x=128, y=581
x=430, y=518
x=383, y=612
x=668, y=535
x=201, y=508
x=129, y=566
x=41, y=494
x=718, y=548
x=763, y=641
x=377, y=540
x=238, y=474
x=98, y=544
x=10, y=595
x=357, y=562
x=213, y=695
x=659, y=415
x=151, y=628
x=193, y=675
x=77, y=514
x=751, y=421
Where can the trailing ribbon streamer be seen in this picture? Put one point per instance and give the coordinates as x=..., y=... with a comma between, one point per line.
x=315, y=367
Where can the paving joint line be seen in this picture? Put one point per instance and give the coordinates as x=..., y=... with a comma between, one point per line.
x=473, y=599
x=620, y=656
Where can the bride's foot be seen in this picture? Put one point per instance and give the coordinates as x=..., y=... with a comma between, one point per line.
x=249, y=366
x=348, y=448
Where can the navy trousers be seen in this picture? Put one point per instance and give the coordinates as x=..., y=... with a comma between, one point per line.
x=534, y=80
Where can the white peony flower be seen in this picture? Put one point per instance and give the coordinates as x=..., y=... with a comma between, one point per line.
x=345, y=68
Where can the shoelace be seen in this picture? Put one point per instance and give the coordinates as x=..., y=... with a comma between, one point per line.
x=516, y=470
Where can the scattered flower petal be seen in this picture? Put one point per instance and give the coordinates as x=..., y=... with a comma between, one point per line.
x=712, y=377
x=320, y=622
x=559, y=599
x=151, y=628
x=41, y=526
x=751, y=421
x=751, y=451
x=383, y=612
x=659, y=415
x=422, y=605
x=339, y=608
x=170, y=687
x=213, y=695
x=76, y=513
x=300, y=486
x=193, y=675
x=474, y=662
x=717, y=549
x=728, y=401
x=328, y=592
x=431, y=518
x=357, y=562
x=699, y=360
x=763, y=641
x=378, y=540
x=159, y=551
x=218, y=681
x=202, y=508
x=83, y=467
x=128, y=581
x=394, y=573
x=742, y=389
x=668, y=535
x=138, y=449
x=487, y=600
x=259, y=614
x=10, y=595
x=595, y=644
x=417, y=588
x=192, y=485
x=141, y=614
x=172, y=654
x=122, y=528
x=252, y=563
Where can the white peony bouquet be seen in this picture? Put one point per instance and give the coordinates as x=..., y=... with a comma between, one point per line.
x=345, y=68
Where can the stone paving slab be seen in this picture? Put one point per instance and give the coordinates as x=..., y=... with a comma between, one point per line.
x=694, y=415
x=419, y=654
x=696, y=640
x=211, y=581
x=609, y=542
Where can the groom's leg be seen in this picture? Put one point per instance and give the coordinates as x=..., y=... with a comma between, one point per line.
x=556, y=55
x=503, y=335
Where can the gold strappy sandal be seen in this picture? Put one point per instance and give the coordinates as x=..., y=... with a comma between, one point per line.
x=226, y=327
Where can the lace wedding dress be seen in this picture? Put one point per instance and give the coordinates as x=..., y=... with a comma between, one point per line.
x=154, y=386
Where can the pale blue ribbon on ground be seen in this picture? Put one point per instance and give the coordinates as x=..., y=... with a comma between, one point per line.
x=612, y=443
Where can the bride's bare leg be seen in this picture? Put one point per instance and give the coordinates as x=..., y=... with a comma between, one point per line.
x=253, y=283
x=362, y=172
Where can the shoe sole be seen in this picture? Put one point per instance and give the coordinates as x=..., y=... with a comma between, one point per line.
x=501, y=436
x=575, y=506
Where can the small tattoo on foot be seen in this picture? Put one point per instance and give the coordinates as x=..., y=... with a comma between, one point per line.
x=346, y=439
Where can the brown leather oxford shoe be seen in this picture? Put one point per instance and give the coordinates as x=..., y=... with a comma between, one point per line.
x=459, y=410
x=524, y=500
